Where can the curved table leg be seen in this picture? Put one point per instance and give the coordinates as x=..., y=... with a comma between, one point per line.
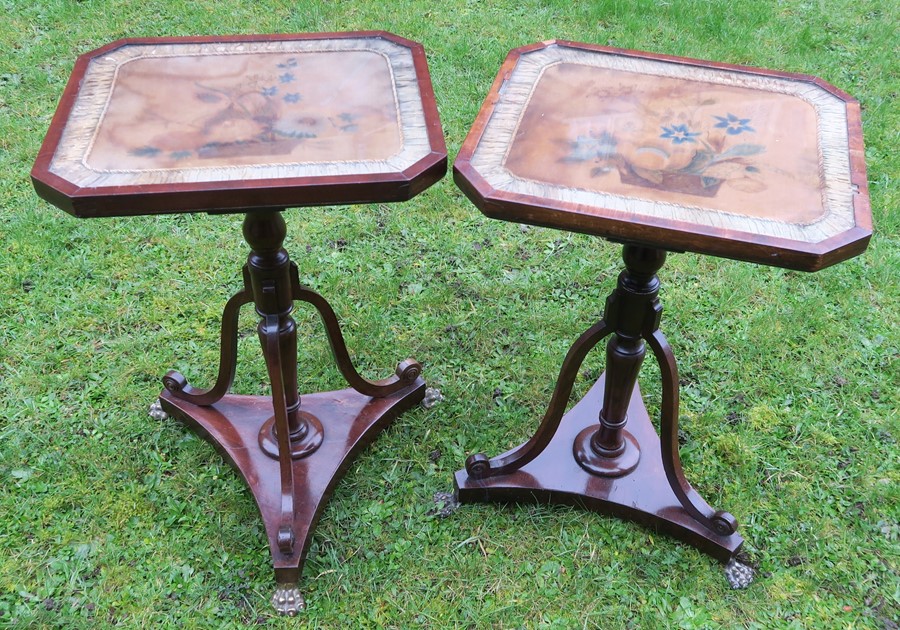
x=407, y=371
x=177, y=385
x=720, y=522
x=478, y=466
x=269, y=331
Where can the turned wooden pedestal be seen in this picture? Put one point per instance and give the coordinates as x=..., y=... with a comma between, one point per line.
x=319, y=434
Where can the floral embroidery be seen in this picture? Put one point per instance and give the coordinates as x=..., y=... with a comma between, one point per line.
x=208, y=97
x=145, y=151
x=263, y=122
x=602, y=145
x=733, y=125
x=700, y=168
x=347, y=122
x=679, y=134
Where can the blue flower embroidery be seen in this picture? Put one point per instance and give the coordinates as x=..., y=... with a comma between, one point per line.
x=292, y=98
x=145, y=151
x=287, y=77
x=291, y=63
x=347, y=122
x=732, y=124
x=594, y=146
x=679, y=134
x=179, y=155
x=270, y=91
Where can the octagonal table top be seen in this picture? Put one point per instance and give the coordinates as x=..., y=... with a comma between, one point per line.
x=674, y=153
x=158, y=125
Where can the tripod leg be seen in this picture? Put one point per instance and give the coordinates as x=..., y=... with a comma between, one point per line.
x=176, y=384
x=478, y=466
x=407, y=371
x=720, y=522
x=269, y=332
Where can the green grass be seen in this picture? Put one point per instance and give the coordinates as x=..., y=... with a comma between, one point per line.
x=790, y=403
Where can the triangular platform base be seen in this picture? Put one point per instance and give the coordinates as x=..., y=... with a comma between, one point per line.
x=350, y=420
x=643, y=495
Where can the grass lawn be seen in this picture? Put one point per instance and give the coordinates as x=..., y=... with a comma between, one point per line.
x=789, y=405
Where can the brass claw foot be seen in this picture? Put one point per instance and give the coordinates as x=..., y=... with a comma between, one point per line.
x=432, y=397
x=738, y=575
x=445, y=504
x=156, y=411
x=288, y=600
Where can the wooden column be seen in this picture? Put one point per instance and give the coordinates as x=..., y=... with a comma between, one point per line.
x=632, y=311
x=269, y=269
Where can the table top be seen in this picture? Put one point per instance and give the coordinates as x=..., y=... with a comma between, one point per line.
x=674, y=153
x=156, y=125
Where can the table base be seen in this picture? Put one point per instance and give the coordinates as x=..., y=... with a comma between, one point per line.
x=351, y=421
x=643, y=495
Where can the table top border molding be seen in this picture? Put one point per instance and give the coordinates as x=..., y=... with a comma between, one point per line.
x=501, y=194
x=397, y=179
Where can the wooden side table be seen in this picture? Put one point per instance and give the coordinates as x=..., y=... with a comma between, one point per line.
x=257, y=124
x=659, y=154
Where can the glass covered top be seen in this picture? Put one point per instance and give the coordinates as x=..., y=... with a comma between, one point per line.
x=199, y=111
x=622, y=139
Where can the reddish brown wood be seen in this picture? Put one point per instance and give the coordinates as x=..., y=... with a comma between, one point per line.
x=668, y=233
x=270, y=279
x=290, y=450
x=274, y=442
x=175, y=381
x=632, y=309
x=653, y=489
x=237, y=196
x=351, y=421
x=604, y=454
x=478, y=466
x=407, y=371
x=644, y=495
x=720, y=522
